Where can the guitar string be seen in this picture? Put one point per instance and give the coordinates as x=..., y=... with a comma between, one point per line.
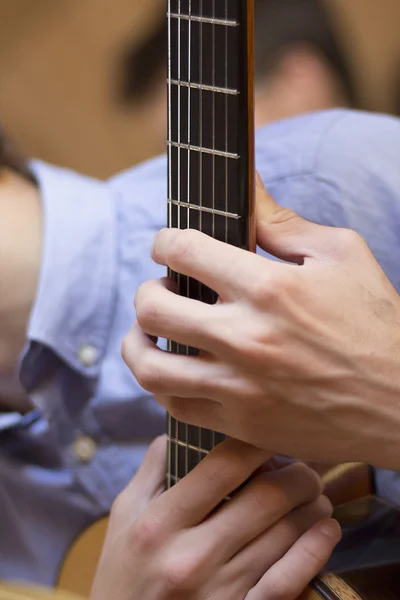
x=226, y=122
x=170, y=209
x=188, y=192
x=179, y=190
x=199, y=429
x=213, y=141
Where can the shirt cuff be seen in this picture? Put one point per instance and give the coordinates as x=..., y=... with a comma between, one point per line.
x=77, y=287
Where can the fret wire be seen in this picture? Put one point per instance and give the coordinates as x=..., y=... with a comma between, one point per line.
x=205, y=88
x=212, y=21
x=189, y=445
x=222, y=153
x=204, y=209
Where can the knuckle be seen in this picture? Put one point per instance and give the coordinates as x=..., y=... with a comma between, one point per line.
x=273, y=287
x=146, y=533
x=180, y=409
x=348, y=239
x=183, y=247
x=281, y=587
x=224, y=473
x=266, y=494
x=145, y=300
x=179, y=572
x=125, y=350
x=148, y=313
x=310, y=479
x=351, y=237
x=217, y=475
x=117, y=510
x=309, y=553
x=324, y=507
x=262, y=289
x=256, y=349
x=148, y=374
x=193, y=411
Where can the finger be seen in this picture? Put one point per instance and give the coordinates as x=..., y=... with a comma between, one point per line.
x=199, y=412
x=147, y=484
x=286, y=235
x=203, y=489
x=150, y=476
x=262, y=503
x=167, y=315
x=287, y=579
x=259, y=556
x=166, y=373
x=214, y=263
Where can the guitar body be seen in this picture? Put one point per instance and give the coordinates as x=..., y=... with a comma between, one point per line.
x=79, y=566
x=11, y=592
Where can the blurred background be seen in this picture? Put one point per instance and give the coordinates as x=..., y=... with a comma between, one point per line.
x=81, y=83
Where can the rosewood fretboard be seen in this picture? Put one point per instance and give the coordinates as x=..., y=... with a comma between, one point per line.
x=210, y=154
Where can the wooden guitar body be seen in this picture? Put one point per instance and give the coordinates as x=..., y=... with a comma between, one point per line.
x=14, y=592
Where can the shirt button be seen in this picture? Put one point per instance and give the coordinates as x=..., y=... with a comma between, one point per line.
x=84, y=449
x=88, y=355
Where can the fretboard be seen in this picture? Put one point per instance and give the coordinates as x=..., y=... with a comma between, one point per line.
x=210, y=155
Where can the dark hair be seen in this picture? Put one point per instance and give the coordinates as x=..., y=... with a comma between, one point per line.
x=279, y=25
x=11, y=159
x=282, y=24
x=142, y=65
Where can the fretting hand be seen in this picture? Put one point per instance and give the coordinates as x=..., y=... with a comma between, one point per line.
x=266, y=543
x=301, y=357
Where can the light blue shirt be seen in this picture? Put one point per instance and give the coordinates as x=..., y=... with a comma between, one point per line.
x=62, y=465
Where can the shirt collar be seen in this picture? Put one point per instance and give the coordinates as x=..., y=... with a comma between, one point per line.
x=77, y=287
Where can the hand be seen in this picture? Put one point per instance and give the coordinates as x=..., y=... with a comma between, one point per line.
x=301, y=357
x=266, y=543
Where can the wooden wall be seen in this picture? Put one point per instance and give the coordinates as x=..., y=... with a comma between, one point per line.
x=58, y=57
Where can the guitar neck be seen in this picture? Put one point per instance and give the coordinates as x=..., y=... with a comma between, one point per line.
x=210, y=155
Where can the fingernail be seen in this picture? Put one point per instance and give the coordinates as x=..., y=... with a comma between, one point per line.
x=331, y=529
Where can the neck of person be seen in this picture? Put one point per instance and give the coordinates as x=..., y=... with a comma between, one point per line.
x=20, y=257
x=301, y=83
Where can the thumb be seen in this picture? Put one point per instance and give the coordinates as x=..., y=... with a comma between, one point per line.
x=283, y=233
